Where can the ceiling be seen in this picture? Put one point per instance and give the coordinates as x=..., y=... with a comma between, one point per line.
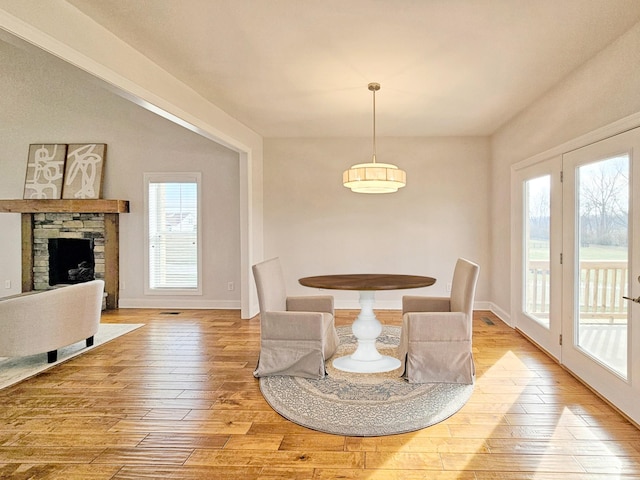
x=300, y=68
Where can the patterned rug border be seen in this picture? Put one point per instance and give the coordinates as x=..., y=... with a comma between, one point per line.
x=363, y=405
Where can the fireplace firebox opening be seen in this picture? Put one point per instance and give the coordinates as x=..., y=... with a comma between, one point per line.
x=71, y=260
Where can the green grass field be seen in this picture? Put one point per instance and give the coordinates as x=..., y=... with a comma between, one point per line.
x=539, y=250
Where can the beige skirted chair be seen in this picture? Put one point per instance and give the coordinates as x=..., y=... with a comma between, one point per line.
x=297, y=334
x=435, y=341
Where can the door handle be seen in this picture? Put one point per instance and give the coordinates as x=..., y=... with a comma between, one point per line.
x=636, y=300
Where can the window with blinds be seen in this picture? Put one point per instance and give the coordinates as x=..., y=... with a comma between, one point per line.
x=173, y=233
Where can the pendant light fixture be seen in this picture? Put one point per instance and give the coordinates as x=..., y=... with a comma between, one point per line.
x=374, y=177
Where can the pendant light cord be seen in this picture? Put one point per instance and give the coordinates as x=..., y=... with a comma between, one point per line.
x=374, y=125
x=374, y=87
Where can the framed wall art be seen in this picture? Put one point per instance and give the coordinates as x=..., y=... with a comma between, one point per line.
x=83, y=171
x=45, y=171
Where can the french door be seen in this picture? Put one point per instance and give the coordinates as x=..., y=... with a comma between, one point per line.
x=537, y=204
x=575, y=255
x=601, y=250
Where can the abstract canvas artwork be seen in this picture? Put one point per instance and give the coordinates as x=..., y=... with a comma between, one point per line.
x=45, y=171
x=83, y=172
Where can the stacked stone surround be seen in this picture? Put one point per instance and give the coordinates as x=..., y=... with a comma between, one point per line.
x=65, y=225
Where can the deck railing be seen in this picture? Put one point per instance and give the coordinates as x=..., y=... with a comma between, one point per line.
x=602, y=285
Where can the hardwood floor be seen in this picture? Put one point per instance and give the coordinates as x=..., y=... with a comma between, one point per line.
x=176, y=399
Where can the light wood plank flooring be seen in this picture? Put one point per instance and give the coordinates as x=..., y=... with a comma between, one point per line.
x=176, y=399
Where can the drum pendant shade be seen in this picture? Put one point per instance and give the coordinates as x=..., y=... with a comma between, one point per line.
x=374, y=177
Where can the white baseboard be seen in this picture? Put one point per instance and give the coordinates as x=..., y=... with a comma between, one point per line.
x=501, y=314
x=193, y=304
x=397, y=305
x=190, y=304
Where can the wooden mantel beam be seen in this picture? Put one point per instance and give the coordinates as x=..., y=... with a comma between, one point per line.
x=64, y=206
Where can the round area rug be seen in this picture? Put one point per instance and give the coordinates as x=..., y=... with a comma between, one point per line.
x=363, y=404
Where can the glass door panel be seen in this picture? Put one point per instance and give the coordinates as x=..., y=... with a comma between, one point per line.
x=537, y=249
x=602, y=245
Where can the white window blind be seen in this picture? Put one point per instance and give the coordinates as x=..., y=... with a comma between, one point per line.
x=173, y=235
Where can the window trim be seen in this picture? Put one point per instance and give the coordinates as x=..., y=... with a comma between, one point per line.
x=172, y=177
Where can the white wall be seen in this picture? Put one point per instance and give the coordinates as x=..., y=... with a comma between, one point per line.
x=602, y=91
x=46, y=100
x=64, y=31
x=317, y=226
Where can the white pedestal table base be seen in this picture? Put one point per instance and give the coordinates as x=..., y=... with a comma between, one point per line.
x=366, y=328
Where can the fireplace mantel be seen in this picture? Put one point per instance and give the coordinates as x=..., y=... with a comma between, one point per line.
x=64, y=206
x=111, y=210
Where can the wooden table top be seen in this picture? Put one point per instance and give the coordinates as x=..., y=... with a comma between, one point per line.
x=367, y=281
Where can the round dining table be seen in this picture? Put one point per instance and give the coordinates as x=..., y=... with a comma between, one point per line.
x=366, y=327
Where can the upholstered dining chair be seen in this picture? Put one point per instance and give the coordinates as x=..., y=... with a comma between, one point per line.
x=297, y=334
x=435, y=340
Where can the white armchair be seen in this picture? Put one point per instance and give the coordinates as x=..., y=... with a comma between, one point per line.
x=297, y=334
x=436, y=337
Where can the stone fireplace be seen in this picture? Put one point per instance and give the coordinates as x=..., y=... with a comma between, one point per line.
x=61, y=242
x=87, y=232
